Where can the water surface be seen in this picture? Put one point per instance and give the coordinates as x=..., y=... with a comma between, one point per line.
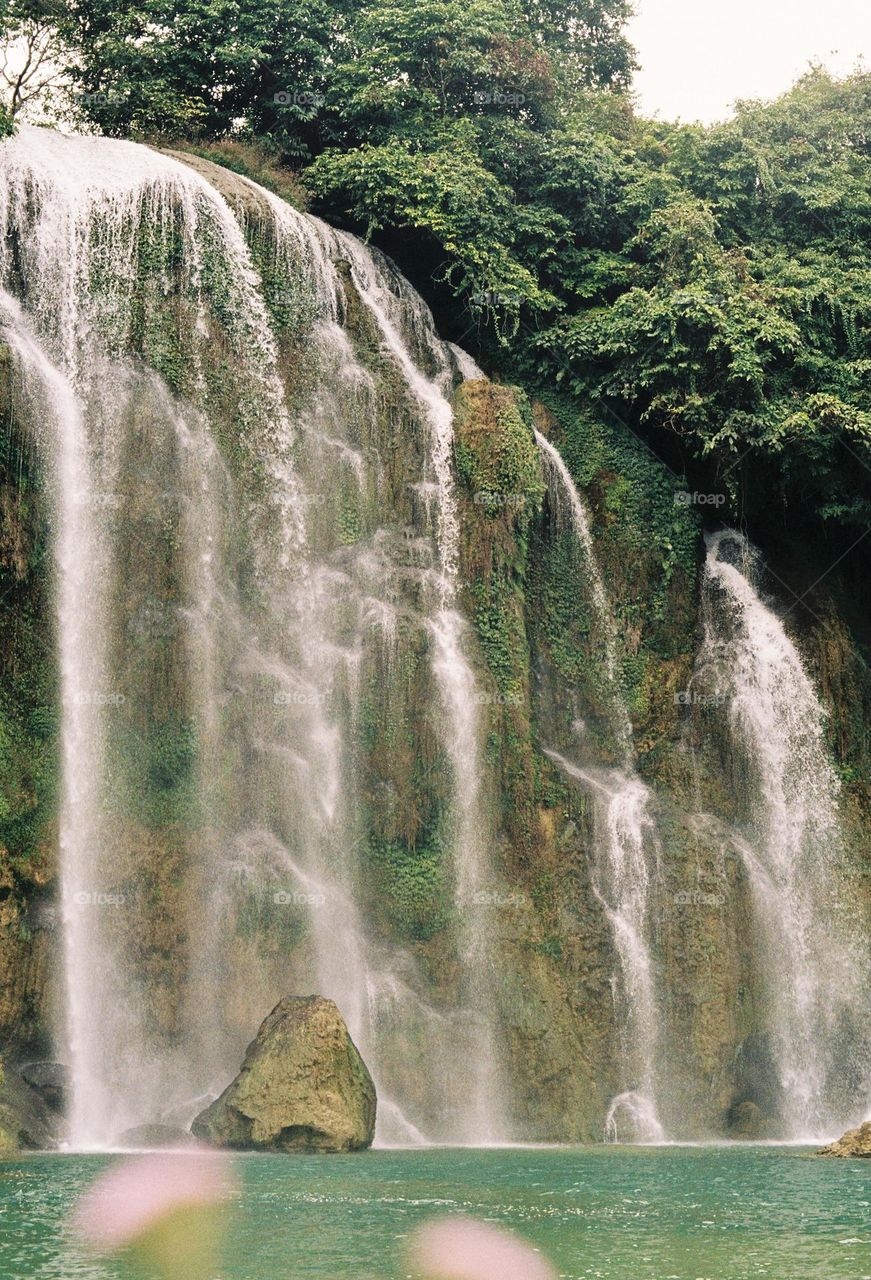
x=723, y=1213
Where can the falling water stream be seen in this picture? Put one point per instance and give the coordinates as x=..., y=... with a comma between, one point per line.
x=244, y=425
x=236, y=667
x=485, y=1118
x=626, y=849
x=813, y=974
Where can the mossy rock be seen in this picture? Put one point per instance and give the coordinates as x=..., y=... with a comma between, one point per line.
x=855, y=1144
x=496, y=454
x=303, y=1087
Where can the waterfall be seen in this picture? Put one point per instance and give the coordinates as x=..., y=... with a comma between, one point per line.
x=813, y=981
x=485, y=1121
x=567, y=502
x=626, y=848
x=238, y=562
x=81, y=663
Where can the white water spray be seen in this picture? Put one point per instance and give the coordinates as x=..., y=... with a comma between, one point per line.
x=626, y=848
x=813, y=981
x=271, y=616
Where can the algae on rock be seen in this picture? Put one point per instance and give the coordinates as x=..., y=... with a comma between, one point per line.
x=302, y=1087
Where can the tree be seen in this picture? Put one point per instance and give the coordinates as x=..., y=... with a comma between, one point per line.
x=31, y=55
x=206, y=68
x=587, y=39
x=407, y=66
x=708, y=287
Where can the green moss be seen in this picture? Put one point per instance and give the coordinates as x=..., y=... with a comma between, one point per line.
x=254, y=160
x=551, y=947
x=349, y=524
x=412, y=885
x=647, y=547
x=154, y=774
x=500, y=637
x=496, y=455
x=633, y=496
x=28, y=674
x=270, y=922
x=502, y=484
x=28, y=784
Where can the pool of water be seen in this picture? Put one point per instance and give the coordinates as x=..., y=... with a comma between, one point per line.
x=669, y=1213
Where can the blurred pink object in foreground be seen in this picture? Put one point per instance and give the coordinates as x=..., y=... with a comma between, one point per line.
x=168, y=1208
x=138, y=1193
x=461, y=1249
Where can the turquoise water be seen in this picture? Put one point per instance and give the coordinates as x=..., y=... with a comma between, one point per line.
x=728, y=1213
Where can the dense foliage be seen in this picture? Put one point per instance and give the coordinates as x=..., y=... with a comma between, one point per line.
x=708, y=288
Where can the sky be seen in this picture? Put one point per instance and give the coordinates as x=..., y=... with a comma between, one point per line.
x=698, y=56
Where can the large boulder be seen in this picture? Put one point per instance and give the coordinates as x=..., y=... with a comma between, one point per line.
x=302, y=1087
x=855, y=1144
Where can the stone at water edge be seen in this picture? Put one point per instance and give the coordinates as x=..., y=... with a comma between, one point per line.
x=302, y=1087
x=855, y=1144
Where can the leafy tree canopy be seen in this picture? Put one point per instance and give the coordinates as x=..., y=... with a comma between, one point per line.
x=707, y=287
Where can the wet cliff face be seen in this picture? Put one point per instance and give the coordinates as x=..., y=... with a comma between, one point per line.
x=28, y=738
x=335, y=678
x=717, y=1054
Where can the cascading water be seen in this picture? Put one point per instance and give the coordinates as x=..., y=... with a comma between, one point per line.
x=485, y=1121
x=813, y=981
x=626, y=847
x=229, y=596
x=79, y=567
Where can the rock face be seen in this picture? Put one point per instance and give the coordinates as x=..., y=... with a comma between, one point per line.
x=535, y=650
x=746, y=1120
x=855, y=1144
x=302, y=1087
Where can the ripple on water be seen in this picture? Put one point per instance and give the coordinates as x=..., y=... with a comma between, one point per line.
x=601, y=1214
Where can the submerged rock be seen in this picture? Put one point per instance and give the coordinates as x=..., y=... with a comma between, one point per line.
x=25, y=1119
x=302, y=1087
x=155, y=1137
x=855, y=1144
x=50, y=1081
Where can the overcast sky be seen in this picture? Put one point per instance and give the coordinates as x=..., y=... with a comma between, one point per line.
x=698, y=56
